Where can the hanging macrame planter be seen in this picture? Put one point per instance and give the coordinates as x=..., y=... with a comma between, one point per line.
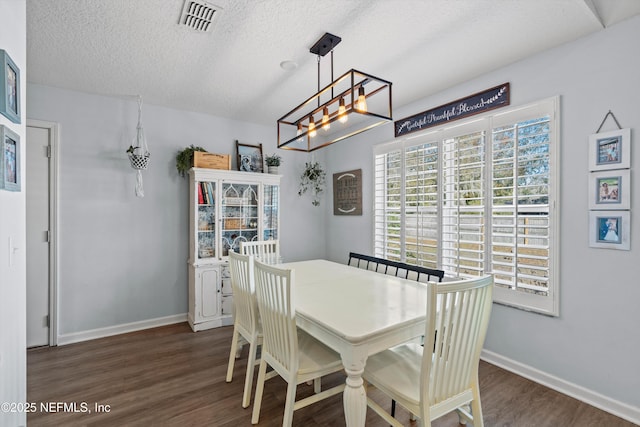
x=139, y=152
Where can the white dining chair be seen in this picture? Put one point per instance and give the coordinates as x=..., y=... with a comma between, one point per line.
x=447, y=366
x=246, y=323
x=267, y=251
x=293, y=354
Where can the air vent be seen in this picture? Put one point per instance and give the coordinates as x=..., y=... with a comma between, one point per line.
x=199, y=15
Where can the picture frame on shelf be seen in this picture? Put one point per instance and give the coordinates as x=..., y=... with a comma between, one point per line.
x=610, y=229
x=10, y=173
x=610, y=189
x=10, y=102
x=249, y=157
x=610, y=150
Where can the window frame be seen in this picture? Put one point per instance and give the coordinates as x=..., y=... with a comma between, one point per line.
x=486, y=123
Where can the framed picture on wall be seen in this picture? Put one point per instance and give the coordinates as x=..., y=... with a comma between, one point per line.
x=610, y=189
x=610, y=150
x=9, y=88
x=9, y=160
x=249, y=157
x=609, y=229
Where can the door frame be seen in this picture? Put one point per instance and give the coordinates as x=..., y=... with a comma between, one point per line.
x=54, y=142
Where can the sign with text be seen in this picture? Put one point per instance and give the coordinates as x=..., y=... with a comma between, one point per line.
x=347, y=193
x=477, y=103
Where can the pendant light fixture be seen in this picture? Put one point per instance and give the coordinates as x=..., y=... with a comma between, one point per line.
x=353, y=103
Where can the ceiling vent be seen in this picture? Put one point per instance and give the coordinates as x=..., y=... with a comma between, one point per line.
x=199, y=15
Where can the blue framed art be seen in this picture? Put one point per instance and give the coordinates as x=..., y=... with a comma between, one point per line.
x=9, y=160
x=10, y=103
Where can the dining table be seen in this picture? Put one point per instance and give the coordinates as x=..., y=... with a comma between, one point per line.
x=357, y=313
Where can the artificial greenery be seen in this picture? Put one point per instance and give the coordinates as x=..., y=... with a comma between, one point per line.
x=184, y=159
x=313, y=179
x=273, y=160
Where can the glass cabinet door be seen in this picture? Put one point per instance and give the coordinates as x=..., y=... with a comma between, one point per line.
x=270, y=218
x=239, y=210
x=206, y=219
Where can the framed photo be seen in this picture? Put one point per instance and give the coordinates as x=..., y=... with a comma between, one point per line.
x=249, y=157
x=10, y=102
x=610, y=189
x=9, y=160
x=609, y=229
x=610, y=150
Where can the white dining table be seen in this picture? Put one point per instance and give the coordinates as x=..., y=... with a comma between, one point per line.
x=357, y=313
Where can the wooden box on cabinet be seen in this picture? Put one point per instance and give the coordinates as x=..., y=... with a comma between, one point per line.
x=225, y=208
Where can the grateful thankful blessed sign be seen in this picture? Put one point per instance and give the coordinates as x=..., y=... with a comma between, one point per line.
x=474, y=104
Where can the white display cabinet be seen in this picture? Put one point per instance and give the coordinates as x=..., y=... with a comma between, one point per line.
x=225, y=208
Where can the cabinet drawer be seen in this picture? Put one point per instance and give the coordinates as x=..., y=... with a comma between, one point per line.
x=226, y=286
x=227, y=304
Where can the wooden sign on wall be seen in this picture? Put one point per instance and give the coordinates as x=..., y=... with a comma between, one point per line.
x=347, y=193
x=477, y=103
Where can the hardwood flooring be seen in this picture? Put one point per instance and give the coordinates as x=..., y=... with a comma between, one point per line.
x=170, y=376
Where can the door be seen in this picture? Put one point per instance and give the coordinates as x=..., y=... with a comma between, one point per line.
x=38, y=235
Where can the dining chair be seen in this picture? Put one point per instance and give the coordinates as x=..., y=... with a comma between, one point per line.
x=447, y=365
x=265, y=250
x=246, y=323
x=293, y=354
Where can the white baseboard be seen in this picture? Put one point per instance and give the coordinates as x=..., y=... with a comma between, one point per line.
x=619, y=409
x=120, y=329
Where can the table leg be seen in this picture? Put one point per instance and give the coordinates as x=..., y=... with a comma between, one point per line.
x=355, y=399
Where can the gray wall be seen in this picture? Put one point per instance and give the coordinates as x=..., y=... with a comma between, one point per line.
x=123, y=259
x=13, y=279
x=594, y=343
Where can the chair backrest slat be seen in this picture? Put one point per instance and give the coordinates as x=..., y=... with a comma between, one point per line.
x=395, y=268
x=244, y=300
x=265, y=250
x=275, y=303
x=458, y=317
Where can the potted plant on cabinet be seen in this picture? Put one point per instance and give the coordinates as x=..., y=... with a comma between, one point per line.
x=273, y=161
x=313, y=179
x=184, y=159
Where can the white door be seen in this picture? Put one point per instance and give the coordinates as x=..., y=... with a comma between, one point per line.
x=37, y=180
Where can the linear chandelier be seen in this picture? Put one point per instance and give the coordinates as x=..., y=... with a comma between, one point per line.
x=353, y=103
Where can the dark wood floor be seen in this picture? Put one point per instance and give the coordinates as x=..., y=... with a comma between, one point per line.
x=171, y=376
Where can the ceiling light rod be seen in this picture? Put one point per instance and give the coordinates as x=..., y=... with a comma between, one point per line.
x=324, y=45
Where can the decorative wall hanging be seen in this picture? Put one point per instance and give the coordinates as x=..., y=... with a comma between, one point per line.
x=139, y=152
x=312, y=180
x=353, y=103
x=9, y=160
x=477, y=103
x=249, y=157
x=347, y=193
x=10, y=102
x=610, y=188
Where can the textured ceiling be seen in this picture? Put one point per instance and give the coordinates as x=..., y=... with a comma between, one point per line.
x=131, y=47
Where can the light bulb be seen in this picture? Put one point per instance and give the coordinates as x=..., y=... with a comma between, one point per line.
x=342, y=112
x=299, y=132
x=312, y=127
x=362, y=101
x=325, y=119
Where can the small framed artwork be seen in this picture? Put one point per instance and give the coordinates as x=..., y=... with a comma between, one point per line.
x=249, y=157
x=609, y=229
x=9, y=160
x=10, y=103
x=610, y=189
x=610, y=150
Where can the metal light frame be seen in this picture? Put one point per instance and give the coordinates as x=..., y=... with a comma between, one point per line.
x=294, y=128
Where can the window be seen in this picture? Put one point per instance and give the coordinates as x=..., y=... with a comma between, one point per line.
x=477, y=197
